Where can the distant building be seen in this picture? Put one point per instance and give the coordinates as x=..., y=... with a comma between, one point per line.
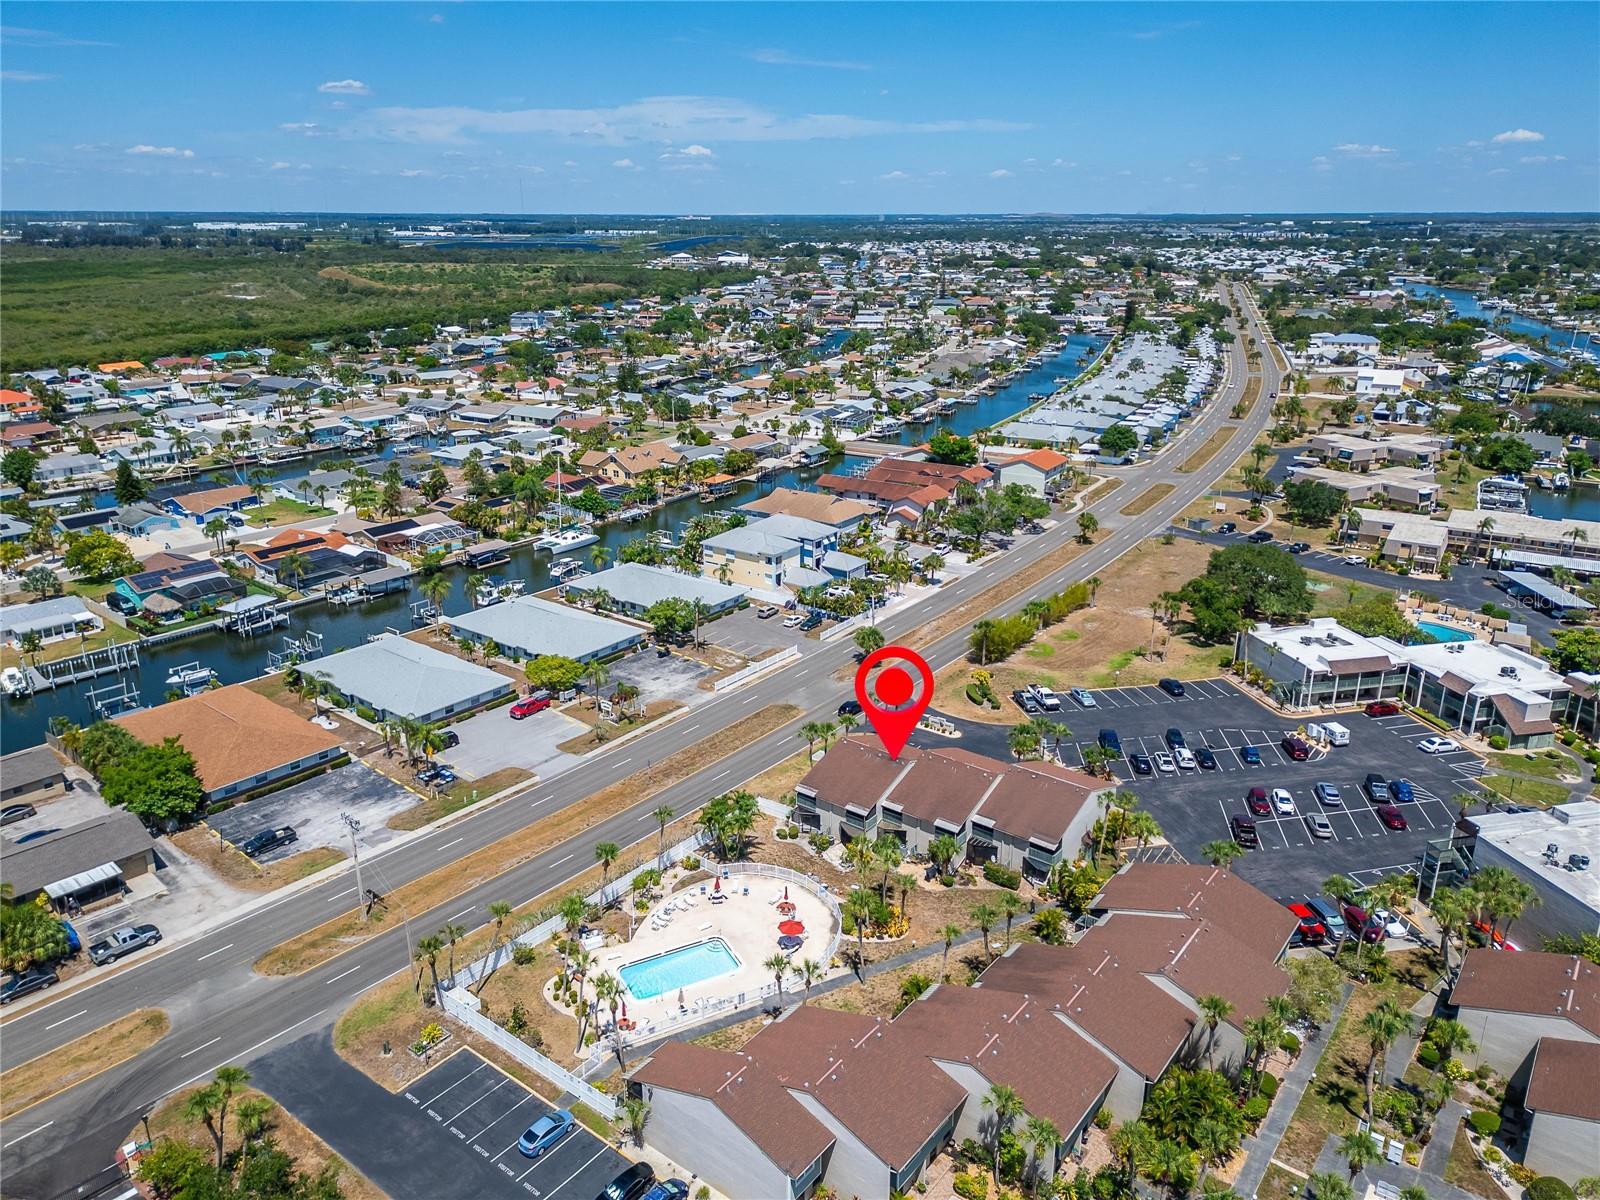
x=32, y=774
x=634, y=587
x=54, y=619
x=527, y=627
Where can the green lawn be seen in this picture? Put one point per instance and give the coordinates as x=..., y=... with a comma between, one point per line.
x=280, y=512
x=67, y=647
x=1527, y=791
x=1332, y=593
x=1546, y=765
x=90, y=591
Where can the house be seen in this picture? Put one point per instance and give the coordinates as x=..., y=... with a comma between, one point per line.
x=53, y=619
x=171, y=584
x=842, y=515
x=303, y=558
x=1564, y=1106
x=1040, y=471
x=1403, y=488
x=211, y=503
x=62, y=468
x=411, y=535
x=80, y=864
x=32, y=774
x=906, y=487
x=527, y=627
x=396, y=677
x=1374, y=381
x=629, y=464
x=749, y=556
x=240, y=740
x=1509, y=1002
x=634, y=587
x=142, y=519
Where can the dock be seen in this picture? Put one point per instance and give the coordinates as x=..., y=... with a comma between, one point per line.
x=64, y=672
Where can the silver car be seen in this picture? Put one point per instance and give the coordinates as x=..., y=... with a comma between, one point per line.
x=1318, y=825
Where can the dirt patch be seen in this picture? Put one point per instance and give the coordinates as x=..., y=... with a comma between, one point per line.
x=461, y=794
x=309, y=1153
x=1149, y=500
x=602, y=731
x=777, y=782
x=1103, y=646
x=26, y=1085
x=1464, y=1169
x=419, y=896
x=1202, y=456
x=234, y=868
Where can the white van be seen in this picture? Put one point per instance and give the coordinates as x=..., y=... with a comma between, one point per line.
x=1331, y=732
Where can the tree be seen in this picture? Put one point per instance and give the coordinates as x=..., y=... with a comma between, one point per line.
x=778, y=964
x=943, y=851
x=1050, y=926
x=1222, y=852
x=41, y=581
x=1117, y=441
x=1359, y=1151
x=950, y=933
x=869, y=639
x=1242, y=582
x=500, y=911
x=1215, y=1009
x=99, y=556
x=1132, y=1142
x=1327, y=1186
x=1313, y=503
x=944, y=447
x=427, y=950
x=18, y=466
x=663, y=815
x=29, y=932
x=984, y=918
x=1381, y=1026
x=1380, y=616
x=128, y=488
x=1088, y=525
x=1005, y=1106
x=157, y=782
x=670, y=619
x=606, y=853
x=1577, y=650
x=555, y=673
x=435, y=589
x=1041, y=1134
x=1450, y=908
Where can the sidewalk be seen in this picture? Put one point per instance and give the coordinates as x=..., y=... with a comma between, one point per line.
x=1402, y=1176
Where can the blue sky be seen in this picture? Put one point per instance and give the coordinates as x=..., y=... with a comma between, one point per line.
x=800, y=109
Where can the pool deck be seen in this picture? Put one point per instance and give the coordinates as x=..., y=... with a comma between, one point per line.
x=746, y=922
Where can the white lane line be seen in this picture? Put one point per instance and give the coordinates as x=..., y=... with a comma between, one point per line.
x=341, y=895
x=462, y=913
x=478, y=1101
x=64, y=1020
x=40, y=1129
x=199, y=1048
x=622, y=762
x=342, y=974
x=220, y=949
x=556, y=1191
x=427, y=1104
x=245, y=1053
x=447, y=845
x=561, y=860
x=536, y=803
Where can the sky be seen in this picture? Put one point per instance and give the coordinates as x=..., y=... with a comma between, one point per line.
x=777, y=108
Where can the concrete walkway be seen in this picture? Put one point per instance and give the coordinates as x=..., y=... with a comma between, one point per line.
x=1263, y=1144
x=1436, y=1154
x=1402, y=1176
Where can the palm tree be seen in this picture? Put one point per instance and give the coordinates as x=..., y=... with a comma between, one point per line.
x=499, y=910
x=1325, y=1185
x=1132, y=1143
x=949, y=933
x=1381, y=1026
x=779, y=966
x=1450, y=908
x=982, y=633
x=1341, y=890
x=663, y=815
x=1214, y=1144
x=984, y=918
x=427, y=951
x=1221, y=852
x=434, y=589
x=294, y=565
x=810, y=971
x=1010, y=906
x=847, y=721
x=1215, y=1009
x=474, y=585
x=1088, y=524
x=1042, y=1135
x=859, y=908
x=1006, y=1106
x=943, y=850
x=1173, y=1165
x=606, y=853
x=1449, y=1036
x=599, y=676
x=453, y=934
x=811, y=733
x=1359, y=1151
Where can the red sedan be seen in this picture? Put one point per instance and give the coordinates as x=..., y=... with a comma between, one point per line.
x=1391, y=816
x=1383, y=708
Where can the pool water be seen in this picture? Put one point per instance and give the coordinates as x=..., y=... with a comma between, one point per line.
x=1444, y=633
x=683, y=967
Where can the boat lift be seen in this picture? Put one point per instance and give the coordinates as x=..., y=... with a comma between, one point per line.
x=295, y=650
x=113, y=699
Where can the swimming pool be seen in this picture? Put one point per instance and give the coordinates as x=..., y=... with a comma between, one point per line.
x=650, y=977
x=1444, y=633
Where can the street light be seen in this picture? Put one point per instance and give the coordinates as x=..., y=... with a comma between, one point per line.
x=354, y=826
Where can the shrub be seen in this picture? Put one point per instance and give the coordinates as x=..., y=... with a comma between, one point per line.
x=1428, y=1055
x=819, y=841
x=524, y=955
x=1002, y=876
x=365, y=713
x=1255, y=1109
x=691, y=862
x=975, y=694
x=970, y=1187
x=1269, y=1085
x=1484, y=1124
x=1521, y=1172
x=1498, y=742
x=703, y=1192
x=1102, y=1119
x=1289, y=1043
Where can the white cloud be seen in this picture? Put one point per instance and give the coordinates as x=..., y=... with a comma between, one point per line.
x=693, y=150
x=1358, y=150
x=25, y=76
x=15, y=35
x=436, y=19
x=783, y=58
x=345, y=87
x=624, y=164
x=1321, y=163
x=999, y=173
x=298, y=126
x=1150, y=35
x=160, y=151
x=1542, y=158
x=280, y=166
x=894, y=176
x=1518, y=135
x=670, y=119
x=1501, y=171
x=415, y=173
x=1062, y=162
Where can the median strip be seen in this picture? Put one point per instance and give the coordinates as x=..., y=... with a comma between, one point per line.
x=32, y=1082
x=345, y=932
x=1147, y=500
x=1202, y=456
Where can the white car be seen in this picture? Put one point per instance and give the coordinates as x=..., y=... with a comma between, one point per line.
x=1185, y=758
x=793, y=620
x=1282, y=802
x=1437, y=745
x=1393, y=926
x=1164, y=762
x=1319, y=825
x=1354, y=560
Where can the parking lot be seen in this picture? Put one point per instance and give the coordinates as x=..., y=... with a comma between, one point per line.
x=671, y=678
x=313, y=808
x=492, y=741
x=452, y=1135
x=745, y=633
x=1194, y=807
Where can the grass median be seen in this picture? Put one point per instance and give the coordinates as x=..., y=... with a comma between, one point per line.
x=1148, y=500
x=332, y=938
x=1208, y=451
x=38, y=1079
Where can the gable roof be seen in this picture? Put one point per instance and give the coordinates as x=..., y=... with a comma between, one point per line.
x=1563, y=1078
x=1532, y=983
x=1180, y=889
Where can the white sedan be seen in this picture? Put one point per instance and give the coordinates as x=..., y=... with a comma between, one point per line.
x=1282, y=802
x=1393, y=926
x=1437, y=745
x=1164, y=762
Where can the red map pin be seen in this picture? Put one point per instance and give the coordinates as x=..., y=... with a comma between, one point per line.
x=892, y=701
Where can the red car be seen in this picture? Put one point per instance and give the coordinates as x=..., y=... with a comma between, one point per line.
x=1356, y=918
x=1391, y=816
x=529, y=705
x=1383, y=708
x=1312, y=931
x=1256, y=800
x=1296, y=748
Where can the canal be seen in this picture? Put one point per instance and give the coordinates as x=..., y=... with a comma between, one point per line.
x=1468, y=304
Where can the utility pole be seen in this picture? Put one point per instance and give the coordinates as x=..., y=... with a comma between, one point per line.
x=354, y=826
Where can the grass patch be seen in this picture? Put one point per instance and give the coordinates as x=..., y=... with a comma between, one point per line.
x=463, y=793
x=1279, y=1183
x=778, y=781
x=90, y=591
x=601, y=731
x=27, y=1084
x=228, y=864
x=1332, y=593
x=1465, y=1171
x=280, y=512
x=1202, y=456
x=1527, y=791
x=418, y=897
x=1552, y=765
x=1147, y=501
x=111, y=635
x=1040, y=650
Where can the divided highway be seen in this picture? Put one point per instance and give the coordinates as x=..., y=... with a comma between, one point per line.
x=224, y=1013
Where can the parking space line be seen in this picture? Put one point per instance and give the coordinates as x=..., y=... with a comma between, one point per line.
x=526, y=1097
x=456, y=1084
x=576, y=1173
x=476, y=1102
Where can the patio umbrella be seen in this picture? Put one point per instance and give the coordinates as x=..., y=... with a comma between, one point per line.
x=791, y=928
x=716, y=884
x=788, y=943
x=786, y=891
x=680, y=997
x=786, y=906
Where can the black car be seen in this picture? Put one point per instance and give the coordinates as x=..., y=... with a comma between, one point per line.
x=1299, y=547
x=1140, y=763
x=449, y=738
x=1206, y=759
x=1228, y=527
x=1244, y=832
x=258, y=844
x=1260, y=535
x=1170, y=686
x=31, y=980
x=117, y=602
x=1110, y=741
x=1175, y=739
x=853, y=707
x=630, y=1184
x=12, y=813
x=811, y=622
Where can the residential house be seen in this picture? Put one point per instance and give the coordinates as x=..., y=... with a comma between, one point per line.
x=53, y=619
x=211, y=503
x=172, y=584
x=34, y=774
x=81, y=864
x=819, y=507
x=1563, y=1103
x=1040, y=471
x=629, y=464
x=303, y=558
x=396, y=677
x=633, y=587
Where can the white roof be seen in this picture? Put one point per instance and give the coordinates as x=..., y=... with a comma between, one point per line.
x=536, y=626
x=1572, y=828
x=401, y=676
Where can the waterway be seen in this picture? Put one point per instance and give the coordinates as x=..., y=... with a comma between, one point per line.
x=23, y=722
x=1468, y=305
x=1574, y=504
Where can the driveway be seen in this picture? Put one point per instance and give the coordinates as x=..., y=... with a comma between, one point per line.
x=313, y=808
x=492, y=741
x=452, y=1135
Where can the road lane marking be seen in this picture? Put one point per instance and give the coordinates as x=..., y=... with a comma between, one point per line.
x=560, y=860
x=340, y=976
x=447, y=845
x=199, y=1048
x=64, y=1020
x=220, y=949
x=462, y=913
x=40, y=1129
x=245, y=1053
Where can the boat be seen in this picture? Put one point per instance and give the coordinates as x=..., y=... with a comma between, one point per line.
x=561, y=540
x=190, y=675
x=562, y=568
x=495, y=589
x=13, y=682
x=1562, y=481
x=664, y=538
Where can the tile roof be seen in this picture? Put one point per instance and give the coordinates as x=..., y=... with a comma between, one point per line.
x=1563, y=1078
x=1532, y=982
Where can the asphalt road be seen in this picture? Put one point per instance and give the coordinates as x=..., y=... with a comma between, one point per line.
x=222, y=1012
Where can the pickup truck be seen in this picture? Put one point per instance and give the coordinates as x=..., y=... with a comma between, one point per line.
x=123, y=941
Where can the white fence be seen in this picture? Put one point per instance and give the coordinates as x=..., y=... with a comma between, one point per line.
x=461, y=1005
x=781, y=659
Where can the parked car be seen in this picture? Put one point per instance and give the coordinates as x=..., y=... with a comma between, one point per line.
x=34, y=979
x=441, y=775
x=529, y=705
x=1175, y=738
x=1140, y=763
x=1392, y=817
x=1025, y=700
x=1298, y=547
x=1382, y=708
x=1171, y=687
x=1228, y=527
x=853, y=707
x=767, y=610
x=448, y=739
x=1258, y=804
x=123, y=941
x=1436, y=745
x=1393, y=926
x=1377, y=788
x=668, y=1189
x=1311, y=931
x=1328, y=912
x=1296, y=748
x=1184, y=758
x=794, y=620
x=1110, y=741
x=1083, y=698
x=1165, y=763
x=1359, y=921
x=258, y=844
x=13, y=813
x=1282, y=802
x=1402, y=791
x=811, y=621
x=1318, y=826
x=1260, y=535
x=1044, y=697
x=1327, y=794
x=1206, y=759
x=546, y=1132
x=1244, y=831
x=631, y=1184
x=1250, y=756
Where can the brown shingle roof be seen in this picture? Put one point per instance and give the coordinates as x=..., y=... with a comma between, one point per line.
x=748, y=1094
x=1516, y=721
x=204, y=501
x=1356, y=666
x=1251, y=917
x=1563, y=1079
x=233, y=733
x=1532, y=982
